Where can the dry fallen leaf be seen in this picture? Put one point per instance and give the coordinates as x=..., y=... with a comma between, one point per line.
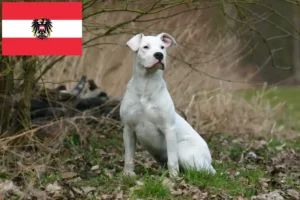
x=119, y=195
x=139, y=183
x=106, y=196
x=168, y=183
x=275, y=195
x=176, y=192
x=68, y=175
x=77, y=190
x=87, y=190
x=108, y=173
x=9, y=186
x=53, y=188
x=96, y=167
x=241, y=198
x=293, y=193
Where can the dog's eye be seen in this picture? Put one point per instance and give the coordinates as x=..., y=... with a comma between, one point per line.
x=162, y=47
x=146, y=47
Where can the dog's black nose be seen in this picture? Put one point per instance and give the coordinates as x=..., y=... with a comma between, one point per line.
x=159, y=56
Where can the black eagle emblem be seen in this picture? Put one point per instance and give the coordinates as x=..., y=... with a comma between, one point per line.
x=41, y=28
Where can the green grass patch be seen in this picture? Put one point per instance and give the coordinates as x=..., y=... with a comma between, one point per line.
x=294, y=145
x=4, y=176
x=50, y=179
x=96, y=181
x=235, y=151
x=291, y=96
x=229, y=179
x=129, y=181
x=151, y=188
x=281, y=144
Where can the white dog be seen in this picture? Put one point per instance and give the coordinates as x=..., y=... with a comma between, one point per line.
x=148, y=113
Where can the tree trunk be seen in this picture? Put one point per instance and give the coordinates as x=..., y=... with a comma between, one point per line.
x=23, y=106
x=6, y=88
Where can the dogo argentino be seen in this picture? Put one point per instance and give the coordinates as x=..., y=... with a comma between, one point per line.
x=148, y=113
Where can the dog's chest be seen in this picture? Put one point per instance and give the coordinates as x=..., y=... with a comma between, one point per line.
x=144, y=109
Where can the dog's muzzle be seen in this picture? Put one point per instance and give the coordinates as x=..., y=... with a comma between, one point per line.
x=158, y=65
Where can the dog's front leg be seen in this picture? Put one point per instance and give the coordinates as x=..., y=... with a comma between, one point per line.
x=171, y=141
x=129, y=139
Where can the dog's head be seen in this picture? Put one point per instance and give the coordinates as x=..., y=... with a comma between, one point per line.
x=151, y=50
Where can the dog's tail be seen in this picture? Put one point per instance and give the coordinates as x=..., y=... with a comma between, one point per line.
x=212, y=170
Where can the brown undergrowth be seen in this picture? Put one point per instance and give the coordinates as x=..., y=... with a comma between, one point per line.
x=86, y=147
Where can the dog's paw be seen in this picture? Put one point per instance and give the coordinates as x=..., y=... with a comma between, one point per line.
x=212, y=170
x=173, y=170
x=173, y=174
x=129, y=173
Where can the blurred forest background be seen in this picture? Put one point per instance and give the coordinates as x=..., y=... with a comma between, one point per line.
x=236, y=70
x=238, y=44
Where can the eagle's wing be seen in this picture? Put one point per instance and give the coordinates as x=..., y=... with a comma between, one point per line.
x=48, y=26
x=35, y=26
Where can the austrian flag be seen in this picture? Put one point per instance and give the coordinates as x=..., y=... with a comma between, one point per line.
x=41, y=28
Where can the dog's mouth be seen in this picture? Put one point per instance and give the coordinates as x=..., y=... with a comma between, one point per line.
x=158, y=65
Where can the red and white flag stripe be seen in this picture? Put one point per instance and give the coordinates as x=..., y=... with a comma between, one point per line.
x=66, y=35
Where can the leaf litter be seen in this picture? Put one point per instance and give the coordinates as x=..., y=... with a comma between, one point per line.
x=86, y=170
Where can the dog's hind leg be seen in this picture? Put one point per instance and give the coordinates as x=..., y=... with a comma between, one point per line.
x=194, y=159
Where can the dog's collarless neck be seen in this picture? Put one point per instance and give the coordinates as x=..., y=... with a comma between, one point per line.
x=143, y=82
x=143, y=86
x=140, y=92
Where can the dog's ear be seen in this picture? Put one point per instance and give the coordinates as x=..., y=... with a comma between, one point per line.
x=135, y=41
x=167, y=39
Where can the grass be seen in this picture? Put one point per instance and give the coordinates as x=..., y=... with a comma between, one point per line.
x=235, y=151
x=236, y=175
x=50, y=179
x=230, y=179
x=233, y=178
x=291, y=96
x=151, y=188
